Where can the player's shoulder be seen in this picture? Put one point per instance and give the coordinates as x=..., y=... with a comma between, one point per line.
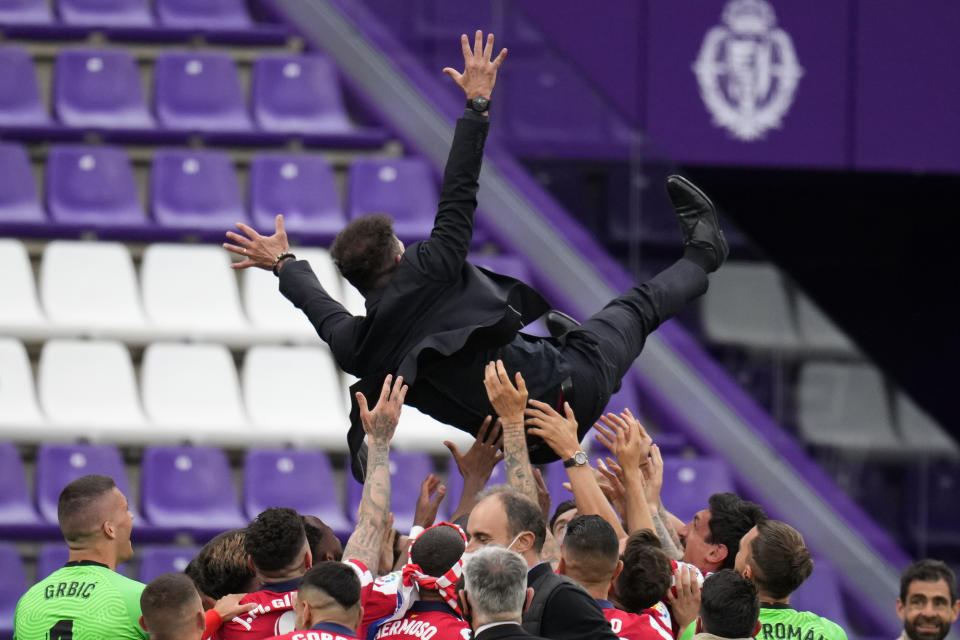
x=830, y=629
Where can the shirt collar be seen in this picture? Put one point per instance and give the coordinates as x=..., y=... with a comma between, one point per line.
x=85, y=563
x=491, y=625
x=334, y=627
x=281, y=587
x=605, y=604
x=430, y=605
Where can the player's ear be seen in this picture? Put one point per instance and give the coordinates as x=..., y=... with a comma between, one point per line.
x=526, y=604
x=250, y=564
x=616, y=572
x=200, y=621
x=307, y=559
x=108, y=529
x=143, y=625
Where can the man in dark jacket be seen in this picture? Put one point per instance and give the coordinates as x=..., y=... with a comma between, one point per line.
x=436, y=320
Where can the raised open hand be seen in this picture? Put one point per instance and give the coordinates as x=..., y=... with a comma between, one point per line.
x=432, y=492
x=479, y=72
x=257, y=250
x=558, y=431
x=508, y=401
x=483, y=455
x=380, y=422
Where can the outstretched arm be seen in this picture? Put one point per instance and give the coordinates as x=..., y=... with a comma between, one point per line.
x=560, y=433
x=629, y=442
x=443, y=255
x=476, y=465
x=374, y=514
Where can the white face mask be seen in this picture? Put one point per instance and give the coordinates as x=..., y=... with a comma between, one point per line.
x=469, y=554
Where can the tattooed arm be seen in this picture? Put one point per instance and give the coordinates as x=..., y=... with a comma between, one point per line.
x=509, y=403
x=373, y=517
x=663, y=520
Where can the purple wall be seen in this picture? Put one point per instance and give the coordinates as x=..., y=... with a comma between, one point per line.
x=875, y=80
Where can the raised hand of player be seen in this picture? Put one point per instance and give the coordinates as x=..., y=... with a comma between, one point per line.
x=479, y=72
x=558, y=431
x=229, y=606
x=508, y=401
x=684, y=596
x=625, y=437
x=380, y=422
x=432, y=492
x=257, y=250
x=483, y=455
x=653, y=477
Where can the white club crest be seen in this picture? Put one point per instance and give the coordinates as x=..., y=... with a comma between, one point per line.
x=747, y=70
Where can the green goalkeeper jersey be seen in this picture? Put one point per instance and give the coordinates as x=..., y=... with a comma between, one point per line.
x=82, y=601
x=780, y=622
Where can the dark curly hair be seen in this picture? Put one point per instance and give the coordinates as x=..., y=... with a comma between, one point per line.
x=275, y=538
x=729, y=607
x=646, y=574
x=364, y=251
x=730, y=518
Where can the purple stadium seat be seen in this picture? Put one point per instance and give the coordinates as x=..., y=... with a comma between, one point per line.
x=13, y=585
x=301, y=187
x=105, y=13
x=59, y=465
x=199, y=92
x=820, y=593
x=18, y=191
x=195, y=189
x=407, y=470
x=20, y=103
x=99, y=89
x=157, y=560
x=189, y=489
x=17, y=515
x=299, y=479
x=689, y=483
x=204, y=14
x=454, y=482
x=298, y=94
x=401, y=187
x=92, y=186
x=25, y=12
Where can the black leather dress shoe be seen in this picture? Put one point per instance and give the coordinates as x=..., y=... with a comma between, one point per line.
x=698, y=219
x=558, y=323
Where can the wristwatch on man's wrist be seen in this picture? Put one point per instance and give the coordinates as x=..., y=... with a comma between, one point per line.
x=479, y=104
x=579, y=459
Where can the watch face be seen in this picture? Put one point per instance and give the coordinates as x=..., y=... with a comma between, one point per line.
x=480, y=104
x=580, y=458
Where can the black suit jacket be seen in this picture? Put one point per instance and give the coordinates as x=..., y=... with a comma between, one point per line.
x=434, y=305
x=506, y=632
x=571, y=613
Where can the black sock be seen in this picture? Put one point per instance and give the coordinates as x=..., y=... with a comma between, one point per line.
x=706, y=259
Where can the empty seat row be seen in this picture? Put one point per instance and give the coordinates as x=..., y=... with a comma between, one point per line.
x=185, y=393
x=190, y=489
x=750, y=305
x=183, y=291
x=192, y=91
x=92, y=289
x=848, y=407
x=94, y=188
x=194, y=14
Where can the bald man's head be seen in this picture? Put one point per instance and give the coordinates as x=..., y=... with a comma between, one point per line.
x=171, y=608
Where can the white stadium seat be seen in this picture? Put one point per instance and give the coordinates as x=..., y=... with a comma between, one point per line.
x=275, y=316
x=295, y=395
x=921, y=433
x=88, y=390
x=20, y=417
x=845, y=406
x=90, y=289
x=191, y=291
x=747, y=305
x=20, y=314
x=191, y=392
x=818, y=333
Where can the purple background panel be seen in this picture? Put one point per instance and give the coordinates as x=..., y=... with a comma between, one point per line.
x=908, y=94
x=814, y=131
